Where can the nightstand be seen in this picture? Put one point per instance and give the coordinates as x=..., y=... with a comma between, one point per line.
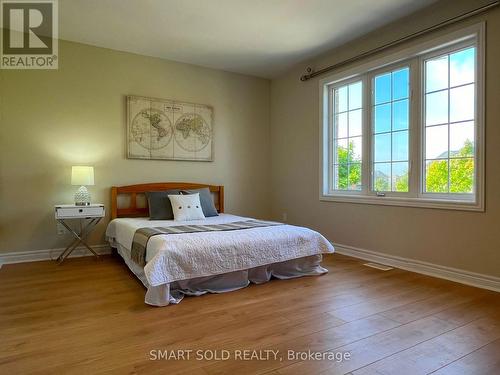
x=88, y=217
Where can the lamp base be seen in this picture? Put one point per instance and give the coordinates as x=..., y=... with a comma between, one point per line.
x=82, y=197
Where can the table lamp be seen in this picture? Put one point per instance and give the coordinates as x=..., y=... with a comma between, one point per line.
x=82, y=175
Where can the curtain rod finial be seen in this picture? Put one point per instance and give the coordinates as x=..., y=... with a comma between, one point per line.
x=306, y=76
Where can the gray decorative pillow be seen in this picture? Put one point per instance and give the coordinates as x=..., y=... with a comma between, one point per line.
x=206, y=200
x=160, y=207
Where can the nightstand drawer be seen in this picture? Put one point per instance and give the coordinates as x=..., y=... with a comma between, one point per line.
x=79, y=212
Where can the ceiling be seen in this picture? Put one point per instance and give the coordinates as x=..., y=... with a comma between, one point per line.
x=256, y=37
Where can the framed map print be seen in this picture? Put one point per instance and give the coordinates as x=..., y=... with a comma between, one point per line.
x=169, y=129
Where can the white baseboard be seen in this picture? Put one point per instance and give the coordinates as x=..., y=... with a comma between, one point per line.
x=430, y=269
x=49, y=254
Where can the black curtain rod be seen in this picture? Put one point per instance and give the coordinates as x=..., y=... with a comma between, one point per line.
x=396, y=42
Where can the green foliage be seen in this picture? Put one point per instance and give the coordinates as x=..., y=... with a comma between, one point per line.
x=436, y=180
x=461, y=172
x=382, y=184
x=349, y=168
x=462, y=176
x=402, y=183
x=354, y=176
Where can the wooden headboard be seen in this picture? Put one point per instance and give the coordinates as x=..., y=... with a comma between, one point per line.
x=133, y=209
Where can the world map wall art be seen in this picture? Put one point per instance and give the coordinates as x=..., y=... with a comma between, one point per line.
x=169, y=130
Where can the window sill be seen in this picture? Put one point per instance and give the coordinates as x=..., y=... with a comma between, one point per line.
x=460, y=205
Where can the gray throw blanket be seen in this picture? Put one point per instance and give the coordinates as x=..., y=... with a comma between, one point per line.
x=142, y=235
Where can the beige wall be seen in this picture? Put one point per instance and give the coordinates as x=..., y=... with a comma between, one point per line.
x=51, y=120
x=466, y=240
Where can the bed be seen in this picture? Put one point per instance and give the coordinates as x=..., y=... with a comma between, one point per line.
x=196, y=263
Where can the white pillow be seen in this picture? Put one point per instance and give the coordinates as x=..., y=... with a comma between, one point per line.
x=186, y=207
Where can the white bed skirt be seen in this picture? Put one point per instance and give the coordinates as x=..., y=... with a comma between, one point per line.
x=173, y=293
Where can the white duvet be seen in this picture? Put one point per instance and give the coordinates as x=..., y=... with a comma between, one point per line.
x=175, y=257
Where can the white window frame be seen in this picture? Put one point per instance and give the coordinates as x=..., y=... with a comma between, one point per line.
x=411, y=64
x=330, y=119
x=413, y=57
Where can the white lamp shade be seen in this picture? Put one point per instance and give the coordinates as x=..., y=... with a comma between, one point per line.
x=82, y=175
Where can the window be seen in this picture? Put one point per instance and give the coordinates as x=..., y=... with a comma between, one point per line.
x=407, y=129
x=449, y=122
x=347, y=139
x=390, y=131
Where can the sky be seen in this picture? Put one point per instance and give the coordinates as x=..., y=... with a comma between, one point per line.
x=460, y=93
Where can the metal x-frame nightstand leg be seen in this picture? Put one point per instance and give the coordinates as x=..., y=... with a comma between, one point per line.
x=79, y=237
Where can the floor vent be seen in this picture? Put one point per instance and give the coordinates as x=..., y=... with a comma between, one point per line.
x=378, y=266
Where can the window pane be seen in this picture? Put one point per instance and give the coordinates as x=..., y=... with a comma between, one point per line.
x=400, y=146
x=400, y=82
x=341, y=151
x=462, y=67
x=400, y=115
x=454, y=141
x=354, y=177
x=355, y=149
x=400, y=177
x=355, y=96
x=436, y=105
x=390, y=131
x=382, y=177
x=341, y=125
x=341, y=99
x=462, y=103
x=436, y=142
x=355, y=123
x=382, y=118
x=347, y=142
x=462, y=139
x=383, y=88
x=461, y=175
x=383, y=147
x=340, y=173
x=436, y=176
x=436, y=74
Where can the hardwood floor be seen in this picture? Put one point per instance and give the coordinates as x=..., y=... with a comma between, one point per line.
x=88, y=316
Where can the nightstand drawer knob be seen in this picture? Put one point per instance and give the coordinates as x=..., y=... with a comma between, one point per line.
x=80, y=210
